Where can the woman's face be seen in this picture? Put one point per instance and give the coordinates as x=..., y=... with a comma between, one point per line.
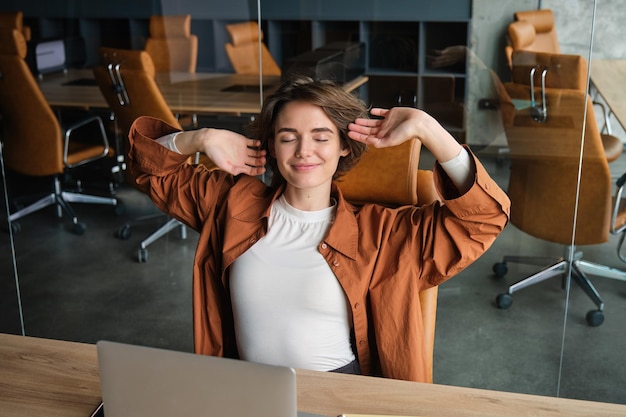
x=307, y=148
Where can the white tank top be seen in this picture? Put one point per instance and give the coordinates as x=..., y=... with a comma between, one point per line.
x=288, y=306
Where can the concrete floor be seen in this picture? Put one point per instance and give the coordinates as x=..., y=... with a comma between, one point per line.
x=91, y=287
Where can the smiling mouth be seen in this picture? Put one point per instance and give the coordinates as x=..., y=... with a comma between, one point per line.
x=304, y=167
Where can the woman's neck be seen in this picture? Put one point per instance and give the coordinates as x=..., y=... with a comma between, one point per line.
x=309, y=199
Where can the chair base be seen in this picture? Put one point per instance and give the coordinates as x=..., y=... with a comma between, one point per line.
x=142, y=253
x=61, y=200
x=559, y=266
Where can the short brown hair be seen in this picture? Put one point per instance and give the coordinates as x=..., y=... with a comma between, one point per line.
x=340, y=106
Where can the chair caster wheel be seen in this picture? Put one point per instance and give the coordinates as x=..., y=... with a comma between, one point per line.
x=142, y=255
x=500, y=269
x=504, y=301
x=78, y=228
x=123, y=232
x=595, y=317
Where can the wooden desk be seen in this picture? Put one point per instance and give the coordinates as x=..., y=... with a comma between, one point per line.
x=609, y=78
x=200, y=93
x=41, y=377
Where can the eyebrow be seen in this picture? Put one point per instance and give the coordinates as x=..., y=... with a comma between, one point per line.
x=316, y=130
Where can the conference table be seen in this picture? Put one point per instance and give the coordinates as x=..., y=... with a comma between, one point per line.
x=609, y=78
x=199, y=93
x=53, y=378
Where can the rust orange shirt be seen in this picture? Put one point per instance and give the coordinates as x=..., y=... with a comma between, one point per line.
x=382, y=257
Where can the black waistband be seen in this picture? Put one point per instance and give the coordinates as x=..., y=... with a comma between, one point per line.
x=351, y=368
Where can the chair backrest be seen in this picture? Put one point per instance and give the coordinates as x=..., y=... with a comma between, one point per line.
x=33, y=143
x=389, y=176
x=14, y=20
x=545, y=160
x=243, y=50
x=532, y=30
x=564, y=70
x=171, y=44
x=127, y=80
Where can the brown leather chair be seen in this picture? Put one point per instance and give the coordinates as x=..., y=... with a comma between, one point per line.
x=532, y=30
x=14, y=20
x=173, y=48
x=243, y=50
x=126, y=79
x=390, y=176
x=545, y=151
x=35, y=143
x=171, y=45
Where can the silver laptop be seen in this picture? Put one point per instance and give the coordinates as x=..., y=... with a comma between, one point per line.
x=139, y=381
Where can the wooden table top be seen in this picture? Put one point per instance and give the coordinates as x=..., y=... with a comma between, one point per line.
x=42, y=377
x=200, y=93
x=609, y=78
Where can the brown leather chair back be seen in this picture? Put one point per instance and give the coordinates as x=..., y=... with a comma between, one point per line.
x=14, y=20
x=545, y=162
x=390, y=176
x=33, y=144
x=564, y=71
x=171, y=44
x=243, y=50
x=126, y=79
x=532, y=30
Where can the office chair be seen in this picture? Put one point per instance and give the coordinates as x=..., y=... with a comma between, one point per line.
x=534, y=31
x=389, y=176
x=14, y=20
x=171, y=45
x=243, y=50
x=126, y=79
x=173, y=48
x=545, y=144
x=35, y=143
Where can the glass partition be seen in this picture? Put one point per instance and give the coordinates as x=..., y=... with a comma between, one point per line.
x=590, y=355
x=446, y=58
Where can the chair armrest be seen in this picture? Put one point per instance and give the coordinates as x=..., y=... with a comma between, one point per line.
x=77, y=153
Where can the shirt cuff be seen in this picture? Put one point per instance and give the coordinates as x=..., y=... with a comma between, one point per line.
x=168, y=142
x=459, y=171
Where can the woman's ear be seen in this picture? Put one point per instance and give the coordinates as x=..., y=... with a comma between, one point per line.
x=345, y=151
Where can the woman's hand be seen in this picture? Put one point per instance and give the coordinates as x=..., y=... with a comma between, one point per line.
x=230, y=151
x=400, y=124
x=395, y=127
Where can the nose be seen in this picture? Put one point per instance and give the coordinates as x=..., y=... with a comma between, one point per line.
x=304, y=148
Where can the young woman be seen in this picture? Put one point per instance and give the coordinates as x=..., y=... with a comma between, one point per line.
x=292, y=274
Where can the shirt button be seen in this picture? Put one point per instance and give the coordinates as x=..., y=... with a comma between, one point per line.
x=357, y=305
x=336, y=263
x=324, y=245
x=362, y=342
